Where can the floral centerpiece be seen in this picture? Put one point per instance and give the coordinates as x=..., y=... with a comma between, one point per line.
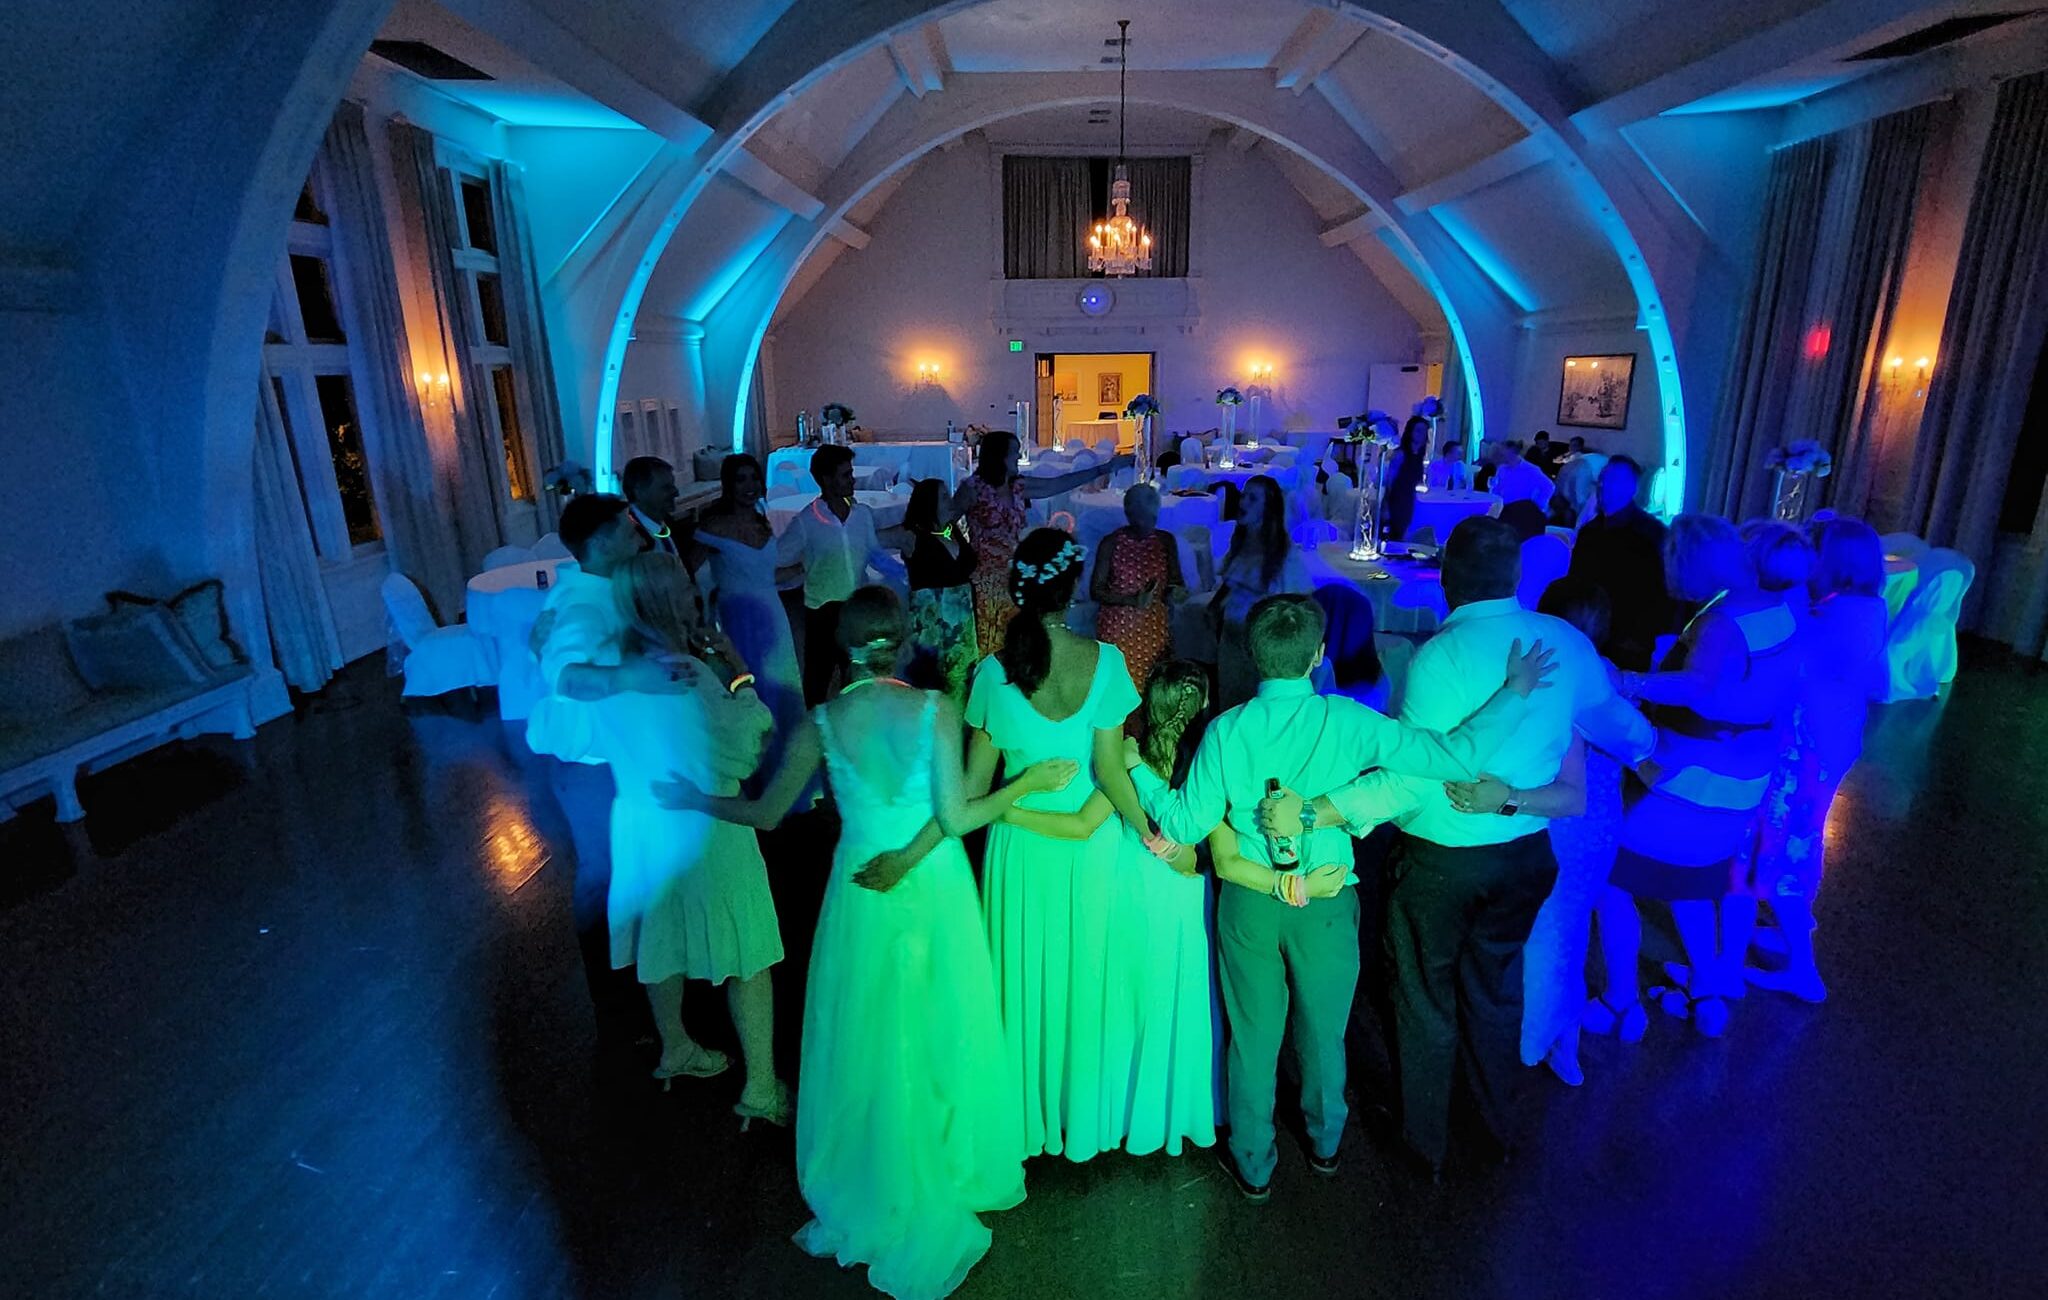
x=1430, y=408
x=567, y=480
x=1795, y=467
x=1375, y=433
x=1144, y=408
x=833, y=418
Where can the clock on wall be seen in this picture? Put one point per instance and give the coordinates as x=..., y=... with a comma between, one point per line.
x=1096, y=300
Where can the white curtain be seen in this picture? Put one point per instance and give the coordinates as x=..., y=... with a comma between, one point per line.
x=521, y=281
x=412, y=501
x=294, y=598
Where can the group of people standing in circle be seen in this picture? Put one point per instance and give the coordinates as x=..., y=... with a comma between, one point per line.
x=1065, y=1004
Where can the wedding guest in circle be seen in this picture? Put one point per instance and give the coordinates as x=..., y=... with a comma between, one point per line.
x=689, y=893
x=1449, y=472
x=945, y=644
x=995, y=500
x=1516, y=478
x=1719, y=704
x=1621, y=550
x=1403, y=476
x=1136, y=581
x=734, y=551
x=1052, y=904
x=908, y=1117
x=836, y=541
x=1262, y=561
x=1844, y=660
x=649, y=484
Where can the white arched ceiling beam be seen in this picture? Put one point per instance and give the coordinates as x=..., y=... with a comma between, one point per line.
x=1480, y=319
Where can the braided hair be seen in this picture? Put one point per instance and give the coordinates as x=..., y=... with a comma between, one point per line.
x=1174, y=698
x=1043, y=574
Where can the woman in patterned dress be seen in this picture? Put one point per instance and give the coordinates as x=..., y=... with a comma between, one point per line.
x=995, y=500
x=943, y=644
x=1137, y=576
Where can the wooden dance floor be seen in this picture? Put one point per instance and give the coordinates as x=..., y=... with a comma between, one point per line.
x=317, y=1028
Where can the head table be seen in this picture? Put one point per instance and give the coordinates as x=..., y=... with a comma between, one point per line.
x=909, y=461
x=1441, y=510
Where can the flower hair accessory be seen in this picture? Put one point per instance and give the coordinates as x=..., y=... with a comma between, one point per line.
x=1062, y=560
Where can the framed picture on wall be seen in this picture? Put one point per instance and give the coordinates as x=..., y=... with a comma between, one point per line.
x=1594, y=391
x=1112, y=390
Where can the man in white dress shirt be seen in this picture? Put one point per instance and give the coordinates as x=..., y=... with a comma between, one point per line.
x=1516, y=479
x=649, y=483
x=834, y=538
x=1466, y=887
x=1274, y=933
x=578, y=641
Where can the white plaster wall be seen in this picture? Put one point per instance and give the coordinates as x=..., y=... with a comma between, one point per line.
x=1541, y=369
x=1269, y=291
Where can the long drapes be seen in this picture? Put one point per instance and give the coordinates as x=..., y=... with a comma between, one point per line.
x=529, y=334
x=424, y=189
x=1160, y=200
x=411, y=498
x=1045, y=217
x=1991, y=342
x=1769, y=343
x=295, y=603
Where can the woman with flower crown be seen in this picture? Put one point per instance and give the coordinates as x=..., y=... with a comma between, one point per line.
x=1058, y=917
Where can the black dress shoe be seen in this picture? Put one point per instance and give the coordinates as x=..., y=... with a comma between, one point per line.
x=1325, y=1166
x=1256, y=1193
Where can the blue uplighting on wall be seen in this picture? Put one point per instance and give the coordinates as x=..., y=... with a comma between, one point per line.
x=1486, y=259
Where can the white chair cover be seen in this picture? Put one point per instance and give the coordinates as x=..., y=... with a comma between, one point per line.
x=550, y=547
x=785, y=478
x=1270, y=441
x=1197, y=557
x=1286, y=458
x=1545, y=559
x=507, y=556
x=1185, y=477
x=1105, y=447
x=1920, y=649
x=1313, y=532
x=438, y=659
x=1192, y=451
x=1075, y=446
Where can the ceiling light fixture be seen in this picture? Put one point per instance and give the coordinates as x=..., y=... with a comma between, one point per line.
x=1120, y=246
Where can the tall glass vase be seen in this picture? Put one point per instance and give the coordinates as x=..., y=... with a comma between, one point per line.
x=1226, y=455
x=1365, y=523
x=1792, y=495
x=1027, y=436
x=1254, y=421
x=1147, y=466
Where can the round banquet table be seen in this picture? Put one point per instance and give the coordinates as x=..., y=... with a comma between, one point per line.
x=1098, y=514
x=1901, y=576
x=1406, y=596
x=1441, y=510
x=501, y=605
x=888, y=508
x=908, y=460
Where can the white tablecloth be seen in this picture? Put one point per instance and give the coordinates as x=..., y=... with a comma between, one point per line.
x=1098, y=514
x=1406, y=596
x=1094, y=431
x=501, y=605
x=907, y=460
x=1442, y=510
x=887, y=506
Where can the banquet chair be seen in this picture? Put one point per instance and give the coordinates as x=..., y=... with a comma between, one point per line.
x=1075, y=446
x=1920, y=649
x=437, y=659
x=1270, y=441
x=550, y=547
x=1545, y=559
x=785, y=479
x=1105, y=447
x=1192, y=452
x=1906, y=545
x=507, y=556
x=1313, y=532
x=1185, y=477
x=1197, y=557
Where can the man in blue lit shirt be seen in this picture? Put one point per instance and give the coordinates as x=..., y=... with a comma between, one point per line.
x=1467, y=883
x=1297, y=924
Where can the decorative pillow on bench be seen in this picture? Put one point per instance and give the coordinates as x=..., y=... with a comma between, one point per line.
x=705, y=463
x=201, y=612
x=134, y=648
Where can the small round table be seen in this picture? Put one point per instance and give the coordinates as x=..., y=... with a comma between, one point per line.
x=501, y=605
x=1406, y=596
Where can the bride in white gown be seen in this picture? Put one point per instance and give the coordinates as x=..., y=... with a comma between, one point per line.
x=908, y=1118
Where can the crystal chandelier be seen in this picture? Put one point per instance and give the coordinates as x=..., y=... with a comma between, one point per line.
x=1120, y=246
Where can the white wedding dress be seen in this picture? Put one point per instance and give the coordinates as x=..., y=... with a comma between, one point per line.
x=908, y=1118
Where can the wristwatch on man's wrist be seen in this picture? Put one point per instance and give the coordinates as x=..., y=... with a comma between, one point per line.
x=1308, y=816
x=1512, y=804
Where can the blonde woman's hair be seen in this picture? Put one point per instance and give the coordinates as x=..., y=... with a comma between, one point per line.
x=660, y=602
x=1174, y=697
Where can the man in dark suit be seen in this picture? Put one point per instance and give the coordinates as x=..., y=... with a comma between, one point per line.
x=1621, y=550
x=649, y=484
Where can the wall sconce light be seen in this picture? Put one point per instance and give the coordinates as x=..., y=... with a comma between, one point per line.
x=433, y=386
x=928, y=373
